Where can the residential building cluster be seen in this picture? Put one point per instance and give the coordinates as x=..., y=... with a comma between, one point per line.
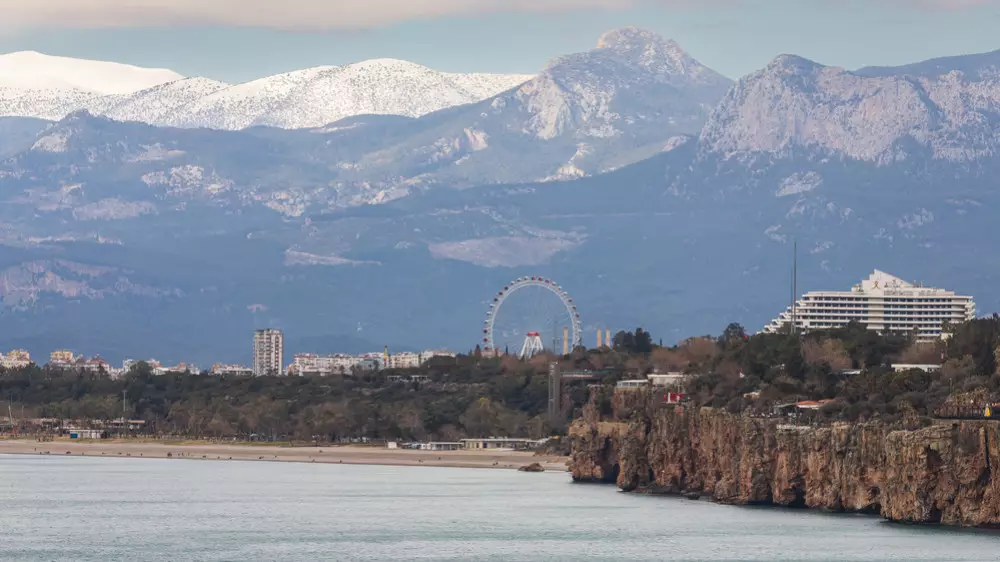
x=268, y=359
x=327, y=365
x=268, y=354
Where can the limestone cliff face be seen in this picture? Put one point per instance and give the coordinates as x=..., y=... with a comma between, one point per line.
x=947, y=473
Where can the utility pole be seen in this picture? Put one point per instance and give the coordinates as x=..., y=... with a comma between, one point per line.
x=124, y=412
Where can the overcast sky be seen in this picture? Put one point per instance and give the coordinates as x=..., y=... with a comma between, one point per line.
x=237, y=40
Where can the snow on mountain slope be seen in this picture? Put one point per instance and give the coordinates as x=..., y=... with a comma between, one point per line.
x=35, y=71
x=317, y=96
x=795, y=103
x=46, y=87
x=157, y=105
x=585, y=113
x=41, y=103
x=632, y=77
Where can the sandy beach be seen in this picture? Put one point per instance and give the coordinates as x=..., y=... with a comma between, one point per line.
x=265, y=453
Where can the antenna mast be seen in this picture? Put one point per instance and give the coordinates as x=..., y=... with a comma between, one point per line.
x=795, y=287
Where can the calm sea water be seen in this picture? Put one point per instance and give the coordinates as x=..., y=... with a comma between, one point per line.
x=54, y=508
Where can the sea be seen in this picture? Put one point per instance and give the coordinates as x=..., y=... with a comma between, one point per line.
x=83, y=508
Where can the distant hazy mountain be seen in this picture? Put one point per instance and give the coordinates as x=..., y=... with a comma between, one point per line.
x=979, y=66
x=885, y=116
x=176, y=243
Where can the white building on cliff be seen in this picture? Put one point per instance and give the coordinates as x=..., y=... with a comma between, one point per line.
x=883, y=303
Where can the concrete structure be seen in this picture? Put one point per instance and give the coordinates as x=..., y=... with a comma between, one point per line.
x=883, y=303
x=557, y=380
x=268, y=352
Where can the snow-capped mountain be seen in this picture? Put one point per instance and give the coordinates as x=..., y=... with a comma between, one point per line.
x=36, y=71
x=892, y=168
x=49, y=87
x=317, y=96
x=875, y=115
x=158, y=105
x=45, y=87
x=630, y=98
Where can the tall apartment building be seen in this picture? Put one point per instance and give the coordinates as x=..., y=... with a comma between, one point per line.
x=883, y=303
x=268, y=352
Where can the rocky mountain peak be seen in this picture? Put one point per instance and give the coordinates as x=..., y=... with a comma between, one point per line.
x=632, y=39
x=797, y=104
x=792, y=64
x=654, y=53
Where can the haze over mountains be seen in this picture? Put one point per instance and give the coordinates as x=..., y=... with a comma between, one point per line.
x=656, y=191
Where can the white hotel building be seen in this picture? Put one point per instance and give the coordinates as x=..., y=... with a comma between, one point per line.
x=882, y=302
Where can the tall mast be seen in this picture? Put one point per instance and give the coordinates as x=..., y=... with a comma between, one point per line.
x=795, y=285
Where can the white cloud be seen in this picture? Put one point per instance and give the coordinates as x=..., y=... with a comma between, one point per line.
x=319, y=14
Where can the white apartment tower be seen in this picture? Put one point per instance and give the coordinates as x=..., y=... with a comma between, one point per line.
x=883, y=303
x=268, y=352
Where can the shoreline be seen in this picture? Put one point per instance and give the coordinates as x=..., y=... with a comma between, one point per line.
x=334, y=454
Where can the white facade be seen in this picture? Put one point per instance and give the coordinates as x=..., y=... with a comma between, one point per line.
x=268, y=352
x=406, y=360
x=15, y=359
x=322, y=365
x=220, y=369
x=327, y=365
x=883, y=303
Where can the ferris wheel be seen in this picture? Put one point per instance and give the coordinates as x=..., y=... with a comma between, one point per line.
x=529, y=313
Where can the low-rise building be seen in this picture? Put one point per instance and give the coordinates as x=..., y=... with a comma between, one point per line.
x=632, y=384
x=183, y=368
x=85, y=433
x=220, y=369
x=505, y=443
x=903, y=367
x=667, y=380
x=440, y=446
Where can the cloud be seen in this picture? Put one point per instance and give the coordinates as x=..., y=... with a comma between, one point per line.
x=319, y=14
x=279, y=14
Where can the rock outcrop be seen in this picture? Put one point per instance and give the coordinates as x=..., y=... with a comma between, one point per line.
x=946, y=473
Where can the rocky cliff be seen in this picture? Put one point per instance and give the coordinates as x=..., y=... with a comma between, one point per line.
x=946, y=473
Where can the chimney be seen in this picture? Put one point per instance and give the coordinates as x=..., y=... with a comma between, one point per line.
x=599, y=334
x=565, y=340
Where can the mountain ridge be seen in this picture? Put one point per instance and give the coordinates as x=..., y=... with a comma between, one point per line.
x=310, y=97
x=661, y=209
